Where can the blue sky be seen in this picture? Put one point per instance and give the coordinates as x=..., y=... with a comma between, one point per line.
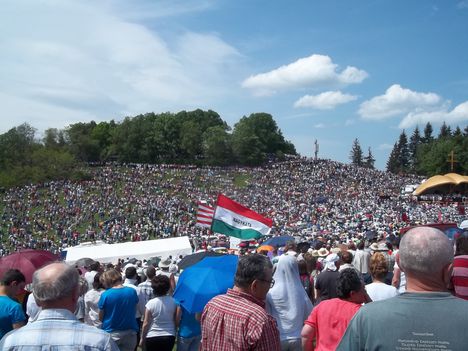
x=327, y=70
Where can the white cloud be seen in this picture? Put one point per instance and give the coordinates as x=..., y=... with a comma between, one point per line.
x=325, y=101
x=397, y=101
x=88, y=60
x=319, y=125
x=312, y=71
x=385, y=147
x=457, y=115
x=350, y=122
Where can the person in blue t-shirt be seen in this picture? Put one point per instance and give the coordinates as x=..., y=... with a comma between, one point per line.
x=11, y=312
x=189, y=334
x=117, y=307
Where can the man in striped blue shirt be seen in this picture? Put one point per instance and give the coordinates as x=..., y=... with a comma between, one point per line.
x=56, y=290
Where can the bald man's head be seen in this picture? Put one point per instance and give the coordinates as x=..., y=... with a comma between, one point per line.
x=54, y=282
x=425, y=250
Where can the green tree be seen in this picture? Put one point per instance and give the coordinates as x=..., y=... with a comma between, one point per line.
x=17, y=145
x=260, y=133
x=428, y=133
x=403, y=153
x=457, y=132
x=445, y=131
x=369, y=160
x=191, y=140
x=392, y=162
x=415, y=141
x=80, y=142
x=53, y=138
x=217, y=148
x=356, y=154
x=246, y=145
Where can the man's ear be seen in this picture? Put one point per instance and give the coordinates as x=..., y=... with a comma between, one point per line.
x=447, y=276
x=76, y=294
x=254, y=285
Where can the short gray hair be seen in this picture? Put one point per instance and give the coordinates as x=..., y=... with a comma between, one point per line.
x=250, y=268
x=60, y=286
x=425, y=250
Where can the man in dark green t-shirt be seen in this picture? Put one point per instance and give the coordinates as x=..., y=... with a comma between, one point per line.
x=427, y=316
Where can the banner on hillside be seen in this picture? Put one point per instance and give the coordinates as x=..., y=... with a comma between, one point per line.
x=233, y=219
x=204, y=215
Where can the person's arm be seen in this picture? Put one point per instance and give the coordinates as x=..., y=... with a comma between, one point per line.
x=396, y=277
x=178, y=316
x=173, y=284
x=308, y=336
x=101, y=315
x=144, y=329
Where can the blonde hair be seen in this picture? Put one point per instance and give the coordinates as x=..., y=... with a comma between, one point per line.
x=378, y=266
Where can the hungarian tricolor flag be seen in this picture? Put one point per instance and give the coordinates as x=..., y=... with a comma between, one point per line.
x=233, y=219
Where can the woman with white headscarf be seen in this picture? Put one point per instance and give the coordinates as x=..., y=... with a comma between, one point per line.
x=288, y=303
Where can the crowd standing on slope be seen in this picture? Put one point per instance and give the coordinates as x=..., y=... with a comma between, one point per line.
x=141, y=202
x=340, y=291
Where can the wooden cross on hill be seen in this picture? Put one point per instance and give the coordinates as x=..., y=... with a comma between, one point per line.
x=451, y=160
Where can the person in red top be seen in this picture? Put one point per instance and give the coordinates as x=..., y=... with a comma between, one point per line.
x=328, y=321
x=460, y=267
x=237, y=320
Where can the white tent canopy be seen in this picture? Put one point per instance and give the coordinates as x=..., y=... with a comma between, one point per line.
x=464, y=224
x=105, y=253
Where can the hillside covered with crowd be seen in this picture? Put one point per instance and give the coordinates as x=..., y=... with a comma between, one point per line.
x=139, y=202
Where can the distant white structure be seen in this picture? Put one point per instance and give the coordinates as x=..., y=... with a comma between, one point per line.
x=110, y=253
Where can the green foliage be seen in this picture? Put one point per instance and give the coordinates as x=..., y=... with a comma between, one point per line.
x=257, y=137
x=428, y=133
x=217, y=147
x=194, y=137
x=356, y=154
x=428, y=156
x=414, y=143
x=369, y=160
x=28, y=161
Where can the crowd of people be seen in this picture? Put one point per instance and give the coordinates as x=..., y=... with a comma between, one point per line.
x=138, y=202
x=334, y=287
x=270, y=307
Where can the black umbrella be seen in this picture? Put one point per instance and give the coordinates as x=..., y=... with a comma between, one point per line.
x=84, y=262
x=370, y=235
x=196, y=257
x=278, y=241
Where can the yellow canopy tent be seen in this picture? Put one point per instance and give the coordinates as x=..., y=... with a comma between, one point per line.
x=446, y=182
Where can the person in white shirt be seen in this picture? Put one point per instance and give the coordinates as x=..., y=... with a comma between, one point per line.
x=159, y=330
x=378, y=290
x=91, y=300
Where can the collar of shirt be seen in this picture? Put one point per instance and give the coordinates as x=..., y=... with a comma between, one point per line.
x=246, y=296
x=56, y=313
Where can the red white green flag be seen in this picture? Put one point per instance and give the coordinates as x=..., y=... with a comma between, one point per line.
x=233, y=219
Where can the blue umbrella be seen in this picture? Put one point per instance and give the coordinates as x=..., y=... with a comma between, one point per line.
x=199, y=283
x=278, y=241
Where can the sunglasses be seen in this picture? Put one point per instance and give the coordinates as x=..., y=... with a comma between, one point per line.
x=271, y=282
